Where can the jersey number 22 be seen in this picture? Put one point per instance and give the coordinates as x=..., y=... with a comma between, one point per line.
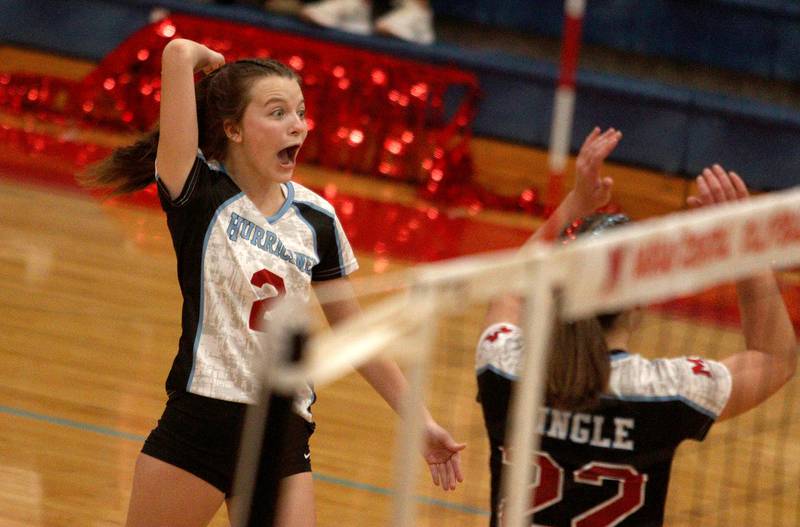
x=547, y=490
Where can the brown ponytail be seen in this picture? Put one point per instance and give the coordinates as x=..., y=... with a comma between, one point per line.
x=127, y=169
x=579, y=364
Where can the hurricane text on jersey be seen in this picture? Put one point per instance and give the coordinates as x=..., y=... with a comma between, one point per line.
x=266, y=240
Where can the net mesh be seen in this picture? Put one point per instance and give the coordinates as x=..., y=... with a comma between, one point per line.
x=358, y=435
x=679, y=269
x=743, y=473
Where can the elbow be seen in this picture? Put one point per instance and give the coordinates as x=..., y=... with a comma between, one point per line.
x=176, y=45
x=177, y=50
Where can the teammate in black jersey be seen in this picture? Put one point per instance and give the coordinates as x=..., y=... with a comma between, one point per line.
x=605, y=453
x=244, y=234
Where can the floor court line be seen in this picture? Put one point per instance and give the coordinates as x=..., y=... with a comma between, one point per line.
x=324, y=478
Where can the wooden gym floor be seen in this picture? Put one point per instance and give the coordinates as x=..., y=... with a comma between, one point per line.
x=89, y=318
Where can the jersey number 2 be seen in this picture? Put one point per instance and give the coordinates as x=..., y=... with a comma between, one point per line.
x=547, y=490
x=259, y=279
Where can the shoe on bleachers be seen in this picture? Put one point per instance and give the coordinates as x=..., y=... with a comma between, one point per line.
x=353, y=16
x=409, y=21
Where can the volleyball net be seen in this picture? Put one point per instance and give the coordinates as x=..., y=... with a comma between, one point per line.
x=679, y=269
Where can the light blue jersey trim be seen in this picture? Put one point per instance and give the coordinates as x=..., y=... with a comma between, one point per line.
x=497, y=371
x=335, y=232
x=661, y=399
x=201, y=308
x=286, y=204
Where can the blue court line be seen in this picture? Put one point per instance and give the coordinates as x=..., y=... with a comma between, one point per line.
x=86, y=427
x=70, y=423
x=388, y=492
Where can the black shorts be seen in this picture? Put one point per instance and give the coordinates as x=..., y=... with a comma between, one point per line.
x=201, y=435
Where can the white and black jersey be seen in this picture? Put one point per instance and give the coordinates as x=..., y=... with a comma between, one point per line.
x=231, y=261
x=609, y=465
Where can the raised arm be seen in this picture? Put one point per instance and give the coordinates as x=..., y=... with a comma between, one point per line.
x=770, y=359
x=178, y=137
x=591, y=191
x=440, y=450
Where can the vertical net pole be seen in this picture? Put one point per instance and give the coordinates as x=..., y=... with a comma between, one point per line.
x=409, y=438
x=249, y=457
x=563, y=105
x=256, y=483
x=527, y=397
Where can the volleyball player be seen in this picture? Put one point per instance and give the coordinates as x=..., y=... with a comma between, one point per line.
x=612, y=419
x=244, y=235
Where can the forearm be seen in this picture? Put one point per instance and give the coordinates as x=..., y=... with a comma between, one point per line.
x=386, y=378
x=178, y=63
x=770, y=359
x=766, y=324
x=506, y=308
x=438, y=448
x=569, y=209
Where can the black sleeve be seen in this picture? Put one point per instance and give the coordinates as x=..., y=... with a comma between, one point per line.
x=199, y=177
x=330, y=264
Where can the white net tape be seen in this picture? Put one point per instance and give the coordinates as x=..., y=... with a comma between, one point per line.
x=634, y=265
x=680, y=253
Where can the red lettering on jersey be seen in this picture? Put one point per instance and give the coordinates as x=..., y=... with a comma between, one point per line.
x=700, y=367
x=493, y=336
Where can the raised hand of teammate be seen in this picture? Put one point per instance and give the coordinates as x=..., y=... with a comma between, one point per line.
x=441, y=452
x=770, y=358
x=717, y=185
x=592, y=190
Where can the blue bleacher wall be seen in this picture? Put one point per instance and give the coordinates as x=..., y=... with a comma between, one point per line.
x=750, y=36
x=673, y=129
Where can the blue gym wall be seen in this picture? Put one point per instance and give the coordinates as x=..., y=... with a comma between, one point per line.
x=669, y=128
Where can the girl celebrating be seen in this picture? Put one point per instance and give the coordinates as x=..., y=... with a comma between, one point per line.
x=244, y=235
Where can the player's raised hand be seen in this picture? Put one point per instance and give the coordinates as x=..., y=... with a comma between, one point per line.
x=592, y=190
x=199, y=56
x=441, y=452
x=208, y=60
x=717, y=185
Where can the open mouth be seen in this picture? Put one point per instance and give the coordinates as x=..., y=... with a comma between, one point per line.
x=288, y=156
